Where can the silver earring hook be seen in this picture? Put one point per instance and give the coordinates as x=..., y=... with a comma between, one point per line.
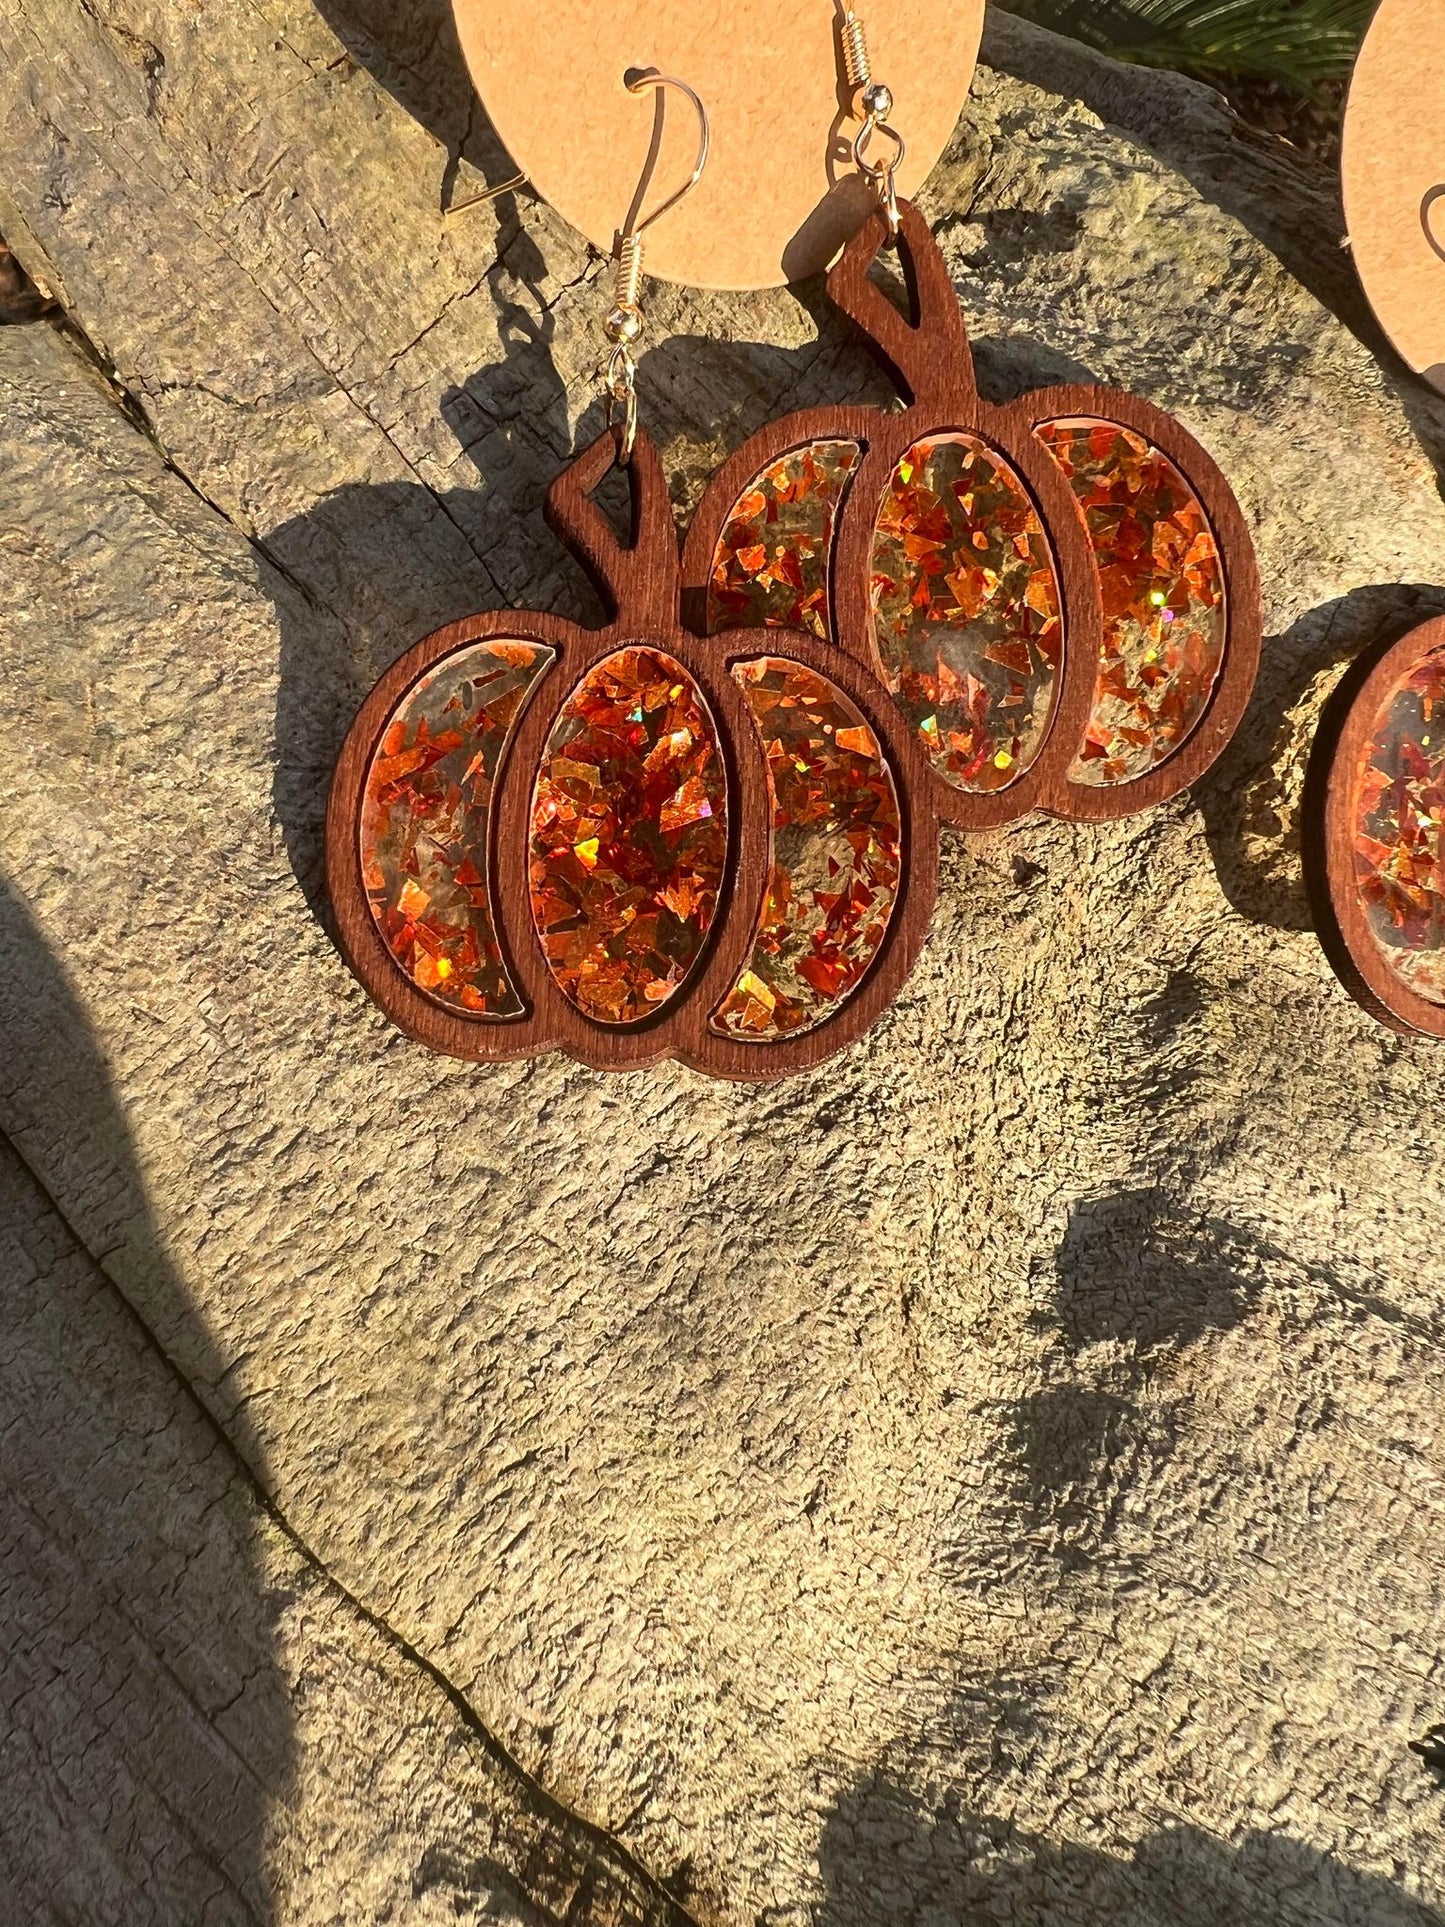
x=637, y=83
x=487, y=194
x=872, y=103
x=624, y=319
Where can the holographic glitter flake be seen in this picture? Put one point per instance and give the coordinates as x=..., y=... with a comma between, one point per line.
x=770, y=567
x=966, y=607
x=424, y=820
x=1400, y=830
x=629, y=836
x=836, y=854
x=1162, y=585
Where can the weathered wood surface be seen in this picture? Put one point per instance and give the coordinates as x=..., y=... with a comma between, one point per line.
x=997, y=1476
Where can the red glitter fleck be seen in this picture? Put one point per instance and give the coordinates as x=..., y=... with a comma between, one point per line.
x=836, y=854
x=629, y=836
x=1400, y=829
x=425, y=812
x=966, y=607
x=1163, y=592
x=770, y=567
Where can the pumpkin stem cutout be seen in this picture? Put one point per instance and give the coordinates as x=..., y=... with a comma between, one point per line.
x=637, y=581
x=630, y=842
x=926, y=350
x=1059, y=592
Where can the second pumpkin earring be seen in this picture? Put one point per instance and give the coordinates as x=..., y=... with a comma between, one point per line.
x=1060, y=593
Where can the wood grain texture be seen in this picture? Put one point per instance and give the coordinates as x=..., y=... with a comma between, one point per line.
x=997, y=1472
x=199, y=1724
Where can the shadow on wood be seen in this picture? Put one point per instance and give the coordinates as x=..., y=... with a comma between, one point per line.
x=144, y=1723
x=892, y=1853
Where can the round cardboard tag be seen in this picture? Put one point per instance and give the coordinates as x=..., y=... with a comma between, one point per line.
x=1393, y=164
x=779, y=195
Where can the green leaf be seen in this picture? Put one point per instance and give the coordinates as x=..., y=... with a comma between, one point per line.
x=1295, y=43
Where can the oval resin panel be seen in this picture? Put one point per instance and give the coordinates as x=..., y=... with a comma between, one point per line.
x=835, y=854
x=425, y=816
x=770, y=566
x=966, y=610
x=1398, y=823
x=1162, y=587
x=628, y=836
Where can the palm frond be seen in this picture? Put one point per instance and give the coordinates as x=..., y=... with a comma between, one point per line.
x=1298, y=44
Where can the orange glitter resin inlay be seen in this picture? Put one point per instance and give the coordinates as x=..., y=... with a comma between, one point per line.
x=425, y=814
x=836, y=854
x=966, y=607
x=1400, y=830
x=1162, y=585
x=770, y=567
x=628, y=836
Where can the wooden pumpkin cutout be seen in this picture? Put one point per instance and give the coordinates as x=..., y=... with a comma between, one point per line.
x=1060, y=593
x=629, y=843
x=1374, y=831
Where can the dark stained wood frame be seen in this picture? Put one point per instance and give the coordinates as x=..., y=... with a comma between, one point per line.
x=640, y=587
x=928, y=355
x=1332, y=783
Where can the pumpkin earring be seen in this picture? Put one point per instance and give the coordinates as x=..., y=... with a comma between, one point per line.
x=1060, y=594
x=632, y=842
x=1374, y=831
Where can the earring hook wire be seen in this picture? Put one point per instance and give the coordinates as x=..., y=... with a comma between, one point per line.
x=487, y=194
x=637, y=82
x=872, y=103
x=624, y=319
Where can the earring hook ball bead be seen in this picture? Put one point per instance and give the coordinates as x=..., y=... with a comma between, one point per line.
x=623, y=323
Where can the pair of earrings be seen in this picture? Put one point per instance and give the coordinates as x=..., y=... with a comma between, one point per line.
x=708, y=830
